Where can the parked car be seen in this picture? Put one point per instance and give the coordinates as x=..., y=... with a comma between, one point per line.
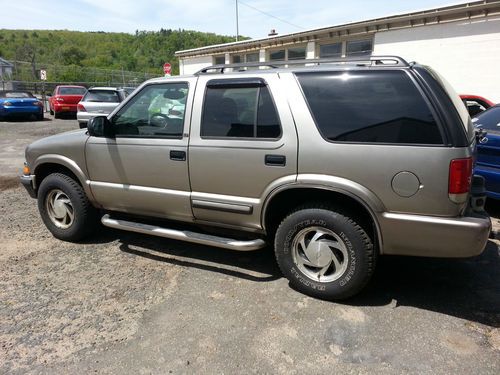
x=98, y=101
x=278, y=157
x=20, y=103
x=128, y=90
x=476, y=104
x=488, y=150
x=65, y=99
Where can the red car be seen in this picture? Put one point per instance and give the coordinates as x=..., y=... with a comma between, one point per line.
x=476, y=104
x=65, y=99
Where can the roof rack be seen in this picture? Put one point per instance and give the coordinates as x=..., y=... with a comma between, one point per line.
x=359, y=61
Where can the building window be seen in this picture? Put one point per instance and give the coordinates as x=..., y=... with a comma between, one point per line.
x=296, y=53
x=219, y=60
x=278, y=55
x=252, y=57
x=236, y=59
x=359, y=47
x=330, y=50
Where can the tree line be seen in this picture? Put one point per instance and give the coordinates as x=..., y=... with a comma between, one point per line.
x=143, y=51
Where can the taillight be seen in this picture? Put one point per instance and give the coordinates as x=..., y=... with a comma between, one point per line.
x=59, y=99
x=460, y=179
x=38, y=103
x=80, y=108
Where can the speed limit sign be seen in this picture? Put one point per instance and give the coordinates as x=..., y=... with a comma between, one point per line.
x=43, y=74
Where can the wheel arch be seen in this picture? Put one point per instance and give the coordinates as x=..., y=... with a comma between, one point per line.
x=279, y=204
x=48, y=164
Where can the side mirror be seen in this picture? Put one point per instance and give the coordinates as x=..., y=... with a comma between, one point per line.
x=100, y=126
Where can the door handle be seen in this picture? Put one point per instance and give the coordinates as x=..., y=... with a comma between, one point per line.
x=177, y=155
x=275, y=160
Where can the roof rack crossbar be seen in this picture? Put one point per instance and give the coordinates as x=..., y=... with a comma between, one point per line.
x=368, y=60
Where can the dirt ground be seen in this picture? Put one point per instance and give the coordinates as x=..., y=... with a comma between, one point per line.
x=124, y=303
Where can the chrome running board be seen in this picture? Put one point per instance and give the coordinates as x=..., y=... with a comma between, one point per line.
x=199, y=238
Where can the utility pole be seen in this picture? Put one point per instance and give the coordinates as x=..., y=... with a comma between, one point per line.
x=237, y=27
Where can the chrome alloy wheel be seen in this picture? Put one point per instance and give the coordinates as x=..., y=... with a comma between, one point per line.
x=59, y=209
x=320, y=254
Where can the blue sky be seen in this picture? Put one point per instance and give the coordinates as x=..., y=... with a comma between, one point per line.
x=216, y=16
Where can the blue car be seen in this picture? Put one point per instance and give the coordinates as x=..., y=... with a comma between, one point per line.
x=488, y=151
x=19, y=103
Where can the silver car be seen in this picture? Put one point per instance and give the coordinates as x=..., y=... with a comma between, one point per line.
x=331, y=165
x=98, y=101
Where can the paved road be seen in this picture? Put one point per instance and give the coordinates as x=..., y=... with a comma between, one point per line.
x=127, y=303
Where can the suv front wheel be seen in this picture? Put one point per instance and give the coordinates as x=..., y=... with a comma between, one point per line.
x=324, y=253
x=65, y=209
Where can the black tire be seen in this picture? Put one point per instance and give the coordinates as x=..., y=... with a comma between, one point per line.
x=57, y=115
x=51, y=112
x=357, y=256
x=85, y=216
x=39, y=117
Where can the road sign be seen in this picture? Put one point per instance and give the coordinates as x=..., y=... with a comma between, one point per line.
x=167, y=69
x=43, y=74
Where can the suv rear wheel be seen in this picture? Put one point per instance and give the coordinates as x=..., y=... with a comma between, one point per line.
x=324, y=253
x=65, y=209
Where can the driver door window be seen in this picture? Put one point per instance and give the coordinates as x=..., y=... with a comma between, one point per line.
x=156, y=112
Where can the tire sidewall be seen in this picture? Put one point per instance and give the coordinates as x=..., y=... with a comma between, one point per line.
x=354, y=277
x=77, y=228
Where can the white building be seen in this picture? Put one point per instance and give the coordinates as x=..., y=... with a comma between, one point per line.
x=461, y=41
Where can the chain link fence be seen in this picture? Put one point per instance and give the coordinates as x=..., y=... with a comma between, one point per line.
x=26, y=76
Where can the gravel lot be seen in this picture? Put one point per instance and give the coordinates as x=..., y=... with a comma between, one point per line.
x=127, y=303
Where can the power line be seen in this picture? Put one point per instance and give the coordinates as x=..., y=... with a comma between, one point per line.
x=269, y=15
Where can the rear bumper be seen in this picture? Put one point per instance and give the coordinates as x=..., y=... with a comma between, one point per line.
x=84, y=117
x=492, y=177
x=20, y=110
x=417, y=235
x=28, y=183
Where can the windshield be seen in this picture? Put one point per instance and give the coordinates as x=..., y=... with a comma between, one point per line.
x=15, y=94
x=488, y=120
x=106, y=96
x=72, y=90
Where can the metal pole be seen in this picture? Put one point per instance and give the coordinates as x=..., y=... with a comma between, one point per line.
x=237, y=26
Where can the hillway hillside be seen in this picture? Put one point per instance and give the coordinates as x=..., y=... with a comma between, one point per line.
x=144, y=51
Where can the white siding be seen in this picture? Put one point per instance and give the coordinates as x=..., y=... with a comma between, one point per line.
x=466, y=53
x=193, y=64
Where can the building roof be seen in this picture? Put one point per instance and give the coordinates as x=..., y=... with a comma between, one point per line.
x=4, y=62
x=455, y=12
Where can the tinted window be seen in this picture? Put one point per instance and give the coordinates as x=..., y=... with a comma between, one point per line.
x=277, y=55
x=236, y=59
x=104, y=96
x=359, y=47
x=298, y=53
x=489, y=120
x=239, y=112
x=220, y=60
x=72, y=90
x=330, y=50
x=252, y=57
x=369, y=106
x=155, y=112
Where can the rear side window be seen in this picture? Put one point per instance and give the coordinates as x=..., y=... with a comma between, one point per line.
x=239, y=112
x=106, y=96
x=369, y=107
